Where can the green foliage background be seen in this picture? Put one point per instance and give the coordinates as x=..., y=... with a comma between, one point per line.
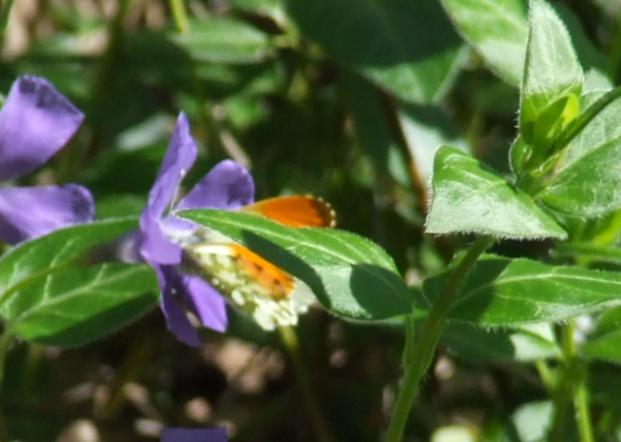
x=348, y=100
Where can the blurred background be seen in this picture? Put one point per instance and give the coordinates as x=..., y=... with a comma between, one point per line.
x=344, y=99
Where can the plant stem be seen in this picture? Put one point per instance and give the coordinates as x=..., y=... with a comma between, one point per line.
x=563, y=391
x=318, y=422
x=180, y=16
x=547, y=377
x=581, y=403
x=420, y=357
x=573, y=386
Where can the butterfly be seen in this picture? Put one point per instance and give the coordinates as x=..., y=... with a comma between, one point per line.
x=273, y=297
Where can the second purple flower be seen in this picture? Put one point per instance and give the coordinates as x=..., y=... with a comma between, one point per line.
x=35, y=122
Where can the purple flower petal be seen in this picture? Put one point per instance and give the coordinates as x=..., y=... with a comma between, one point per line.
x=206, y=302
x=27, y=212
x=193, y=435
x=195, y=294
x=35, y=122
x=171, y=286
x=227, y=186
x=180, y=156
x=154, y=245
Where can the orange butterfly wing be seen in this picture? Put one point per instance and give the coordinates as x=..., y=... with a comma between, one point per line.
x=295, y=211
x=271, y=278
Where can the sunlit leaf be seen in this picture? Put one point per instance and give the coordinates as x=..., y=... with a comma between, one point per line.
x=498, y=30
x=587, y=179
x=552, y=80
x=469, y=197
x=502, y=292
x=75, y=306
x=34, y=259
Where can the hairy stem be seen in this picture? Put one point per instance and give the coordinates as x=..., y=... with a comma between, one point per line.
x=419, y=358
x=547, y=377
x=562, y=398
x=581, y=404
x=572, y=388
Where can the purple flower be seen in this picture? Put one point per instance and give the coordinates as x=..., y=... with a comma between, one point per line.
x=227, y=186
x=35, y=122
x=193, y=435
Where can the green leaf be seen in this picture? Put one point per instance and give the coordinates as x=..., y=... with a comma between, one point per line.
x=351, y=276
x=553, y=78
x=468, y=197
x=223, y=40
x=605, y=342
x=388, y=41
x=34, y=259
x=587, y=179
x=75, y=306
x=479, y=346
x=498, y=29
x=503, y=292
